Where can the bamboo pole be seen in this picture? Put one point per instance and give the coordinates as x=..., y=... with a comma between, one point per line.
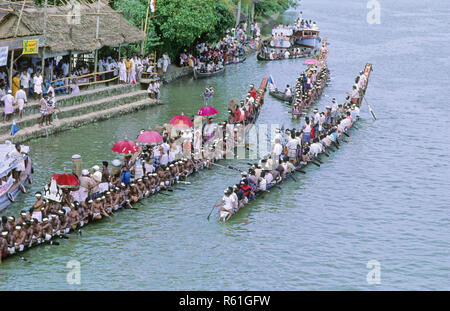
x=12, y=52
x=43, y=45
x=96, y=38
x=145, y=27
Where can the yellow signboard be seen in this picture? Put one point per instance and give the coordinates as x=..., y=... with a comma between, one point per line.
x=30, y=46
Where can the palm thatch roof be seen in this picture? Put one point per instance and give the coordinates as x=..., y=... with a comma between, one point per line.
x=64, y=35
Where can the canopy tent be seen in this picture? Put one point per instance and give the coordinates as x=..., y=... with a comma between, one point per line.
x=62, y=35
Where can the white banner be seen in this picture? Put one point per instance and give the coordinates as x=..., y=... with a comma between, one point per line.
x=3, y=55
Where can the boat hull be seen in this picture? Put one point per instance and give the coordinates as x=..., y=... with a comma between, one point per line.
x=202, y=75
x=4, y=200
x=311, y=42
x=281, y=96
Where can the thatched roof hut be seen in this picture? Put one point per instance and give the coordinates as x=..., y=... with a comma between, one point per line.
x=64, y=35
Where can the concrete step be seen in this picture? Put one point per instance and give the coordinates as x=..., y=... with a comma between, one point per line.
x=79, y=109
x=73, y=122
x=32, y=106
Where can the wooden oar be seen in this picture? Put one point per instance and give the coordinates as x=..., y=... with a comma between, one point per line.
x=56, y=243
x=346, y=134
x=316, y=164
x=184, y=182
x=370, y=109
x=276, y=185
x=176, y=188
x=334, y=144
x=229, y=167
x=211, y=211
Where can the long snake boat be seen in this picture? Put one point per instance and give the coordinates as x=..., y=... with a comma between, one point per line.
x=224, y=216
x=75, y=231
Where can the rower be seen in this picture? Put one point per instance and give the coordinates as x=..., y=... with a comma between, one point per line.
x=247, y=191
x=316, y=148
x=277, y=149
x=292, y=148
x=288, y=91
x=262, y=183
x=228, y=202
x=237, y=198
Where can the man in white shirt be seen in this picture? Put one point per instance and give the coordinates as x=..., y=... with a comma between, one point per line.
x=344, y=124
x=21, y=99
x=107, y=67
x=25, y=81
x=334, y=108
x=8, y=101
x=355, y=112
x=262, y=182
x=151, y=90
x=287, y=54
x=65, y=69
x=37, y=82
x=287, y=92
x=362, y=80
x=277, y=150
x=228, y=202
x=355, y=95
x=292, y=149
x=315, y=148
x=268, y=177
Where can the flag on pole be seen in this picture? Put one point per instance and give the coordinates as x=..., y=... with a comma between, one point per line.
x=14, y=128
x=272, y=81
x=153, y=6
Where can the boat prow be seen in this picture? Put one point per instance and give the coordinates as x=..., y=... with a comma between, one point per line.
x=281, y=96
x=9, y=186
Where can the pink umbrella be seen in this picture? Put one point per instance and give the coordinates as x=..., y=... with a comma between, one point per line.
x=125, y=146
x=150, y=137
x=311, y=61
x=181, y=122
x=207, y=111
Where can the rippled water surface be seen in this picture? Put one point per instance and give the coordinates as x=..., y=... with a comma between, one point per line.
x=383, y=196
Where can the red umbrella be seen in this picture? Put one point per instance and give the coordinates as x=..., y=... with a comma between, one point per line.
x=125, y=146
x=66, y=180
x=150, y=137
x=181, y=122
x=207, y=111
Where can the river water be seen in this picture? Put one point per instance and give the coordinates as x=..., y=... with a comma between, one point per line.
x=383, y=196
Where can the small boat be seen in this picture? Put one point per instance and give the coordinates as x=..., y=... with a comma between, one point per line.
x=9, y=187
x=241, y=60
x=281, y=96
x=201, y=75
x=259, y=57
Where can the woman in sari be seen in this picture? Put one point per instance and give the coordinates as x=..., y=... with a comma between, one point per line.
x=15, y=84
